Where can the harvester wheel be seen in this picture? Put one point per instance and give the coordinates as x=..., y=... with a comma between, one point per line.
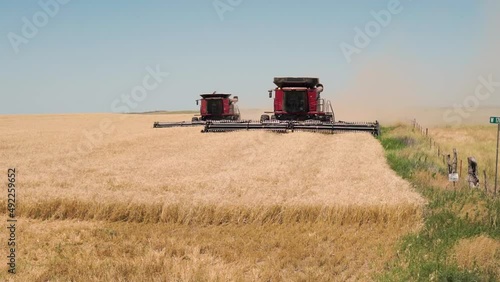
x=194, y=119
x=264, y=118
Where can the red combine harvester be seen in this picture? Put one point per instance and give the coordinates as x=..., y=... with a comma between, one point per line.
x=299, y=99
x=214, y=107
x=298, y=106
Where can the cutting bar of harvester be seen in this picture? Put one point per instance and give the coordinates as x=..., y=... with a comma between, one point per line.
x=291, y=126
x=251, y=125
x=196, y=123
x=178, y=124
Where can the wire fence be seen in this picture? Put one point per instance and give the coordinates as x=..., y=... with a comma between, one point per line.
x=456, y=166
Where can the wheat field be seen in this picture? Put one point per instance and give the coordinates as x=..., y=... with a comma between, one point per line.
x=179, y=205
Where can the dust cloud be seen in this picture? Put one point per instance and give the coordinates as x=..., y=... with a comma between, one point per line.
x=399, y=87
x=380, y=91
x=254, y=114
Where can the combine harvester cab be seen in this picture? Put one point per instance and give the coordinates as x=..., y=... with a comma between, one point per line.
x=298, y=106
x=213, y=108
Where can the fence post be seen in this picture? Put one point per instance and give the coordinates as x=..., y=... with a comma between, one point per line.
x=460, y=168
x=485, y=186
x=452, y=163
x=448, y=162
x=473, y=179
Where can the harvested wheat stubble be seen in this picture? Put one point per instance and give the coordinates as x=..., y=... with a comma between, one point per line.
x=70, y=250
x=181, y=171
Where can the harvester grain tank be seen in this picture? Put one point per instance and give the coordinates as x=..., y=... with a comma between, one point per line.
x=298, y=106
x=213, y=107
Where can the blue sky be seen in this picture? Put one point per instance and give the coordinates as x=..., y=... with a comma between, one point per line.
x=92, y=52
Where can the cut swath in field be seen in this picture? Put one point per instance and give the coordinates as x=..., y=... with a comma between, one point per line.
x=71, y=250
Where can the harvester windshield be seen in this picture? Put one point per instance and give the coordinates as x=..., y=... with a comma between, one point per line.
x=215, y=107
x=295, y=101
